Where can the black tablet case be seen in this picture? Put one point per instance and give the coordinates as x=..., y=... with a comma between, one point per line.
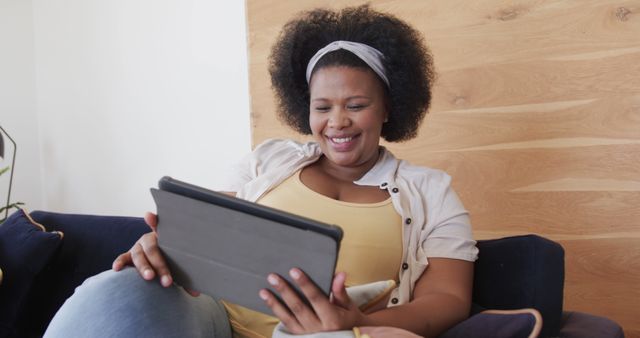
x=227, y=253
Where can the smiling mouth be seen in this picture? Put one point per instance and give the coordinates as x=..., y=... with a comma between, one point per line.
x=344, y=143
x=340, y=140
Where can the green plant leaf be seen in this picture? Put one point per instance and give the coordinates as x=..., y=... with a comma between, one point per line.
x=4, y=170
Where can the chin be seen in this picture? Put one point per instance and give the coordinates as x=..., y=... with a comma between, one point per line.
x=344, y=161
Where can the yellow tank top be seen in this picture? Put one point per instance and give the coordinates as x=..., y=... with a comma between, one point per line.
x=370, y=251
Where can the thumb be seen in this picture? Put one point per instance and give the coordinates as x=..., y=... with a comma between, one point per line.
x=339, y=291
x=193, y=293
x=152, y=220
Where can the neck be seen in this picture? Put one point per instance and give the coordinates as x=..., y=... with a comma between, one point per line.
x=347, y=174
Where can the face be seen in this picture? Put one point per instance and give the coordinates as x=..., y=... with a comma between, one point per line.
x=346, y=113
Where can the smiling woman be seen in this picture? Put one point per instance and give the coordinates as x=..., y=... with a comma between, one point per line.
x=349, y=78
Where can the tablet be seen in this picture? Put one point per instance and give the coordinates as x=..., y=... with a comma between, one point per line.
x=225, y=247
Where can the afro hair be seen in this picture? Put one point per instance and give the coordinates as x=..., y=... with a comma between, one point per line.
x=407, y=60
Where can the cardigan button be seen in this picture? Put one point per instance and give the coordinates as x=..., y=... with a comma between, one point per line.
x=405, y=266
x=394, y=190
x=407, y=221
x=394, y=301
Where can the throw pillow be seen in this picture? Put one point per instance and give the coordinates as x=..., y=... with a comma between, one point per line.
x=25, y=249
x=521, y=323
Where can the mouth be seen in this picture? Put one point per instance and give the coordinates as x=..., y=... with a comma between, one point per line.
x=340, y=140
x=343, y=143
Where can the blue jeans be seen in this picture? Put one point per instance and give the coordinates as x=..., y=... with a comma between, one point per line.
x=122, y=304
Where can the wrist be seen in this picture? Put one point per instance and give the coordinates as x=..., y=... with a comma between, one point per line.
x=364, y=320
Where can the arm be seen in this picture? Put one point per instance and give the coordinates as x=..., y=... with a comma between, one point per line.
x=442, y=297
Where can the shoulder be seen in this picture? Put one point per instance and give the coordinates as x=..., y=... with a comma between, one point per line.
x=422, y=175
x=432, y=186
x=269, y=159
x=284, y=146
x=404, y=172
x=278, y=153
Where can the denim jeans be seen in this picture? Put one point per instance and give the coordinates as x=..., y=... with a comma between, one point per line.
x=122, y=304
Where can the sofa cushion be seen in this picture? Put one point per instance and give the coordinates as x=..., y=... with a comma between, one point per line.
x=521, y=272
x=25, y=249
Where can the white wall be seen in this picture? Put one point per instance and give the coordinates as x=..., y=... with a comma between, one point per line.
x=130, y=90
x=17, y=103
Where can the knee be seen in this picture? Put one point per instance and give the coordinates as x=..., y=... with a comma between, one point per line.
x=91, y=301
x=111, y=279
x=111, y=303
x=123, y=304
x=109, y=282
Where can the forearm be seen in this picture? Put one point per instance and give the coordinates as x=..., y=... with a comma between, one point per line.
x=427, y=316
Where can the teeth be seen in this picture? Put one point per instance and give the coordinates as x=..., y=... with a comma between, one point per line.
x=342, y=139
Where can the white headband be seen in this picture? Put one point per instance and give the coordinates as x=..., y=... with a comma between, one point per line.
x=368, y=54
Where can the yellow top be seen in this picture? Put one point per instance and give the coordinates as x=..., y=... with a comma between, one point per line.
x=370, y=251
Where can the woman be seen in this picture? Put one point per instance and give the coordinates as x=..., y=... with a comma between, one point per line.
x=347, y=78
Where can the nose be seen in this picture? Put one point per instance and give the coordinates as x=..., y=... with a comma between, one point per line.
x=339, y=119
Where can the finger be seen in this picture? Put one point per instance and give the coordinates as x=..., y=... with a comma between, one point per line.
x=339, y=291
x=141, y=263
x=193, y=293
x=319, y=301
x=152, y=220
x=121, y=261
x=154, y=257
x=304, y=314
x=279, y=310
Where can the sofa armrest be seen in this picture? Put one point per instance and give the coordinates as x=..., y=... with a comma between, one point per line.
x=521, y=272
x=584, y=325
x=89, y=246
x=91, y=242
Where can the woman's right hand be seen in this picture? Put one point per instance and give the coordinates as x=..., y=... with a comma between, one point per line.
x=145, y=255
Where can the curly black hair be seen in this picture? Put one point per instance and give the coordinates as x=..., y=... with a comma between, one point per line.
x=407, y=60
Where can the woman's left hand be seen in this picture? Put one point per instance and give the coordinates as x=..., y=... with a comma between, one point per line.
x=324, y=314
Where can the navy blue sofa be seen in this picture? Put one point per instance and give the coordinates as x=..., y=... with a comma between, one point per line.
x=511, y=273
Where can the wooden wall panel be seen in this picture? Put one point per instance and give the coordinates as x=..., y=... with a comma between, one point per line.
x=536, y=115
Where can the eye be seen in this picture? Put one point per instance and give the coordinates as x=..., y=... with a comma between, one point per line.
x=356, y=107
x=322, y=109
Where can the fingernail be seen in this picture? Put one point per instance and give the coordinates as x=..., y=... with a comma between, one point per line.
x=147, y=273
x=294, y=273
x=273, y=280
x=165, y=280
x=263, y=294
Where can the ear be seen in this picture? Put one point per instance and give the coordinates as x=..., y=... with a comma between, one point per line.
x=386, y=113
x=387, y=108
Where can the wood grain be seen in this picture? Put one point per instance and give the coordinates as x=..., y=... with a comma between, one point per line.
x=536, y=115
